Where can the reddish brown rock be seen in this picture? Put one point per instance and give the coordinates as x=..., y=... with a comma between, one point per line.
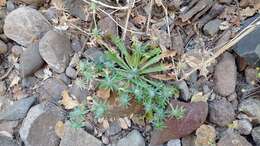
x=196, y=114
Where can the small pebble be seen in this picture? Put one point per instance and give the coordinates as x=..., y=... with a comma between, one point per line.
x=244, y=127
x=71, y=72
x=105, y=139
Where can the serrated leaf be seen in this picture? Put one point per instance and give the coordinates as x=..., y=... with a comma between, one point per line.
x=157, y=68
x=113, y=57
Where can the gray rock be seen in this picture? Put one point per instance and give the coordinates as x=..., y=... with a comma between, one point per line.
x=78, y=137
x=54, y=87
x=107, y=27
x=93, y=54
x=188, y=140
x=221, y=112
x=113, y=129
x=185, y=93
x=7, y=141
x=71, y=72
x=64, y=78
x=51, y=14
x=249, y=48
x=28, y=82
x=233, y=139
x=24, y=25
x=225, y=75
x=174, y=142
x=78, y=92
x=244, y=127
x=75, y=44
x=30, y=60
x=77, y=8
x=5, y=102
x=8, y=126
x=3, y=47
x=38, y=127
x=134, y=138
x=55, y=49
x=10, y=6
x=256, y=135
x=251, y=107
x=212, y=27
x=18, y=110
x=250, y=74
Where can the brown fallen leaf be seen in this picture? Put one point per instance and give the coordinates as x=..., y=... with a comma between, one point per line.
x=59, y=129
x=67, y=101
x=139, y=20
x=122, y=123
x=103, y=93
x=105, y=123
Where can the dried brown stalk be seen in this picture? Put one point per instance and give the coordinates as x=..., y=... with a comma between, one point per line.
x=224, y=47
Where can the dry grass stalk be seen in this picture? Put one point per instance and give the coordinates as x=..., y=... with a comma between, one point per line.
x=224, y=47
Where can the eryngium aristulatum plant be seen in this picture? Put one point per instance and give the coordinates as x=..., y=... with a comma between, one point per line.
x=126, y=73
x=77, y=117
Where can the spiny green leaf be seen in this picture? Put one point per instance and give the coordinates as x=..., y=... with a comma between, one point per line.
x=151, y=61
x=156, y=68
x=114, y=57
x=99, y=108
x=149, y=54
x=177, y=112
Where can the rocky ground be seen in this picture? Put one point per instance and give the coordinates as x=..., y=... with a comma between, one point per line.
x=42, y=42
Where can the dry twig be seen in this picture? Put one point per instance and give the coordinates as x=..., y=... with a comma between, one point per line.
x=222, y=48
x=106, y=5
x=127, y=19
x=7, y=73
x=149, y=16
x=122, y=27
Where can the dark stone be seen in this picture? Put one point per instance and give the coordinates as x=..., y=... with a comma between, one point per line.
x=24, y=25
x=31, y=60
x=93, y=54
x=249, y=48
x=55, y=49
x=54, y=87
x=7, y=141
x=233, y=139
x=221, y=112
x=18, y=110
x=78, y=137
x=196, y=114
x=38, y=127
x=77, y=8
